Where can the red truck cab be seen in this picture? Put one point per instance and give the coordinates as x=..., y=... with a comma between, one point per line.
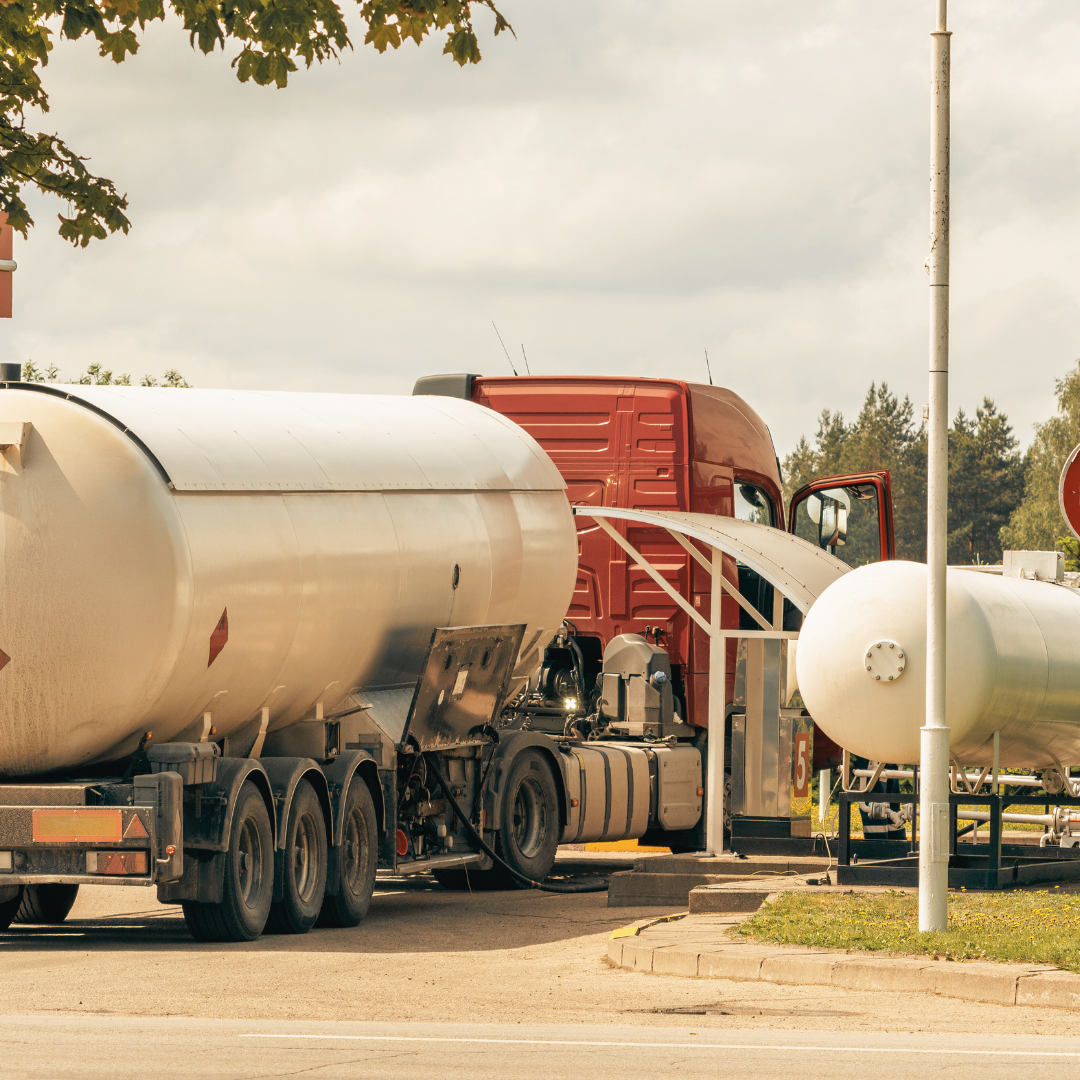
x=664, y=444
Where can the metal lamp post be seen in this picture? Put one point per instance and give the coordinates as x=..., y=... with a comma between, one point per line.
x=934, y=748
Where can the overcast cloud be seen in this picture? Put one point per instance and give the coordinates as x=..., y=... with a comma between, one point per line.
x=624, y=185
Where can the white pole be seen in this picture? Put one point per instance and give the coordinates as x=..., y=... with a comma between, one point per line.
x=824, y=791
x=714, y=805
x=934, y=761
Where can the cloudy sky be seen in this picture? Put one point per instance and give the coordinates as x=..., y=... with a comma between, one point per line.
x=626, y=184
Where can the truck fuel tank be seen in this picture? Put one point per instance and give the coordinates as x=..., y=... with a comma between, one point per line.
x=617, y=791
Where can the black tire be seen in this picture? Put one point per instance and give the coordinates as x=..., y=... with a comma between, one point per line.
x=249, y=877
x=47, y=905
x=356, y=859
x=303, y=875
x=8, y=908
x=529, y=818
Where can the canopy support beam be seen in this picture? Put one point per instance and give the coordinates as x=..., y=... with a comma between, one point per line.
x=685, y=533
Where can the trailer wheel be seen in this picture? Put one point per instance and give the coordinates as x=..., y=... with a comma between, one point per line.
x=10, y=906
x=249, y=877
x=46, y=904
x=356, y=859
x=304, y=879
x=529, y=817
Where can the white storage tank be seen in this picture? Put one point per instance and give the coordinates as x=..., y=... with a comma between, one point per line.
x=1012, y=665
x=167, y=554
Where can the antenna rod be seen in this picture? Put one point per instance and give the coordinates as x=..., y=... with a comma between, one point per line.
x=503, y=344
x=708, y=367
x=527, y=371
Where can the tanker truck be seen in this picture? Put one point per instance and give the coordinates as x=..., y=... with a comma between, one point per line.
x=256, y=646
x=665, y=445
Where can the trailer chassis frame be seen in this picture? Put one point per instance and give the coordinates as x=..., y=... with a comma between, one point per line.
x=896, y=862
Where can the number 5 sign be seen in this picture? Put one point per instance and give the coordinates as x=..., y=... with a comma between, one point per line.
x=802, y=765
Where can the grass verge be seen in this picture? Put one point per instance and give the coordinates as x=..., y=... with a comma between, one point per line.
x=1033, y=927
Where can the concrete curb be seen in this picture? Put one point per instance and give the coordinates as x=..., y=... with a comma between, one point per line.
x=698, y=946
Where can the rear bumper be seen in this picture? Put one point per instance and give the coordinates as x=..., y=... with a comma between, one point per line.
x=116, y=847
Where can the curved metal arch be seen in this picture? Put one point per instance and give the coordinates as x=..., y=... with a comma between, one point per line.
x=799, y=569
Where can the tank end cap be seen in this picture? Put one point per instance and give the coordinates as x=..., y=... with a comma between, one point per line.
x=885, y=661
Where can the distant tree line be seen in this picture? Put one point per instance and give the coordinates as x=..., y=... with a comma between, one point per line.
x=96, y=375
x=998, y=497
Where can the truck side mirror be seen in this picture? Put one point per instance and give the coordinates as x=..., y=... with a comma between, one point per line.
x=828, y=510
x=832, y=531
x=849, y=516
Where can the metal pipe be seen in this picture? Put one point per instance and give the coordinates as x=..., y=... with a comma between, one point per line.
x=714, y=806
x=934, y=748
x=824, y=790
x=1025, y=819
x=997, y=760
x=909, y=774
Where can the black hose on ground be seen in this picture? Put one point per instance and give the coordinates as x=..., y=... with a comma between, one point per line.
x=478, y=840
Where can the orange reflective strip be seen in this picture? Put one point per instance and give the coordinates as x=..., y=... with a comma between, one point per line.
x=76, y=824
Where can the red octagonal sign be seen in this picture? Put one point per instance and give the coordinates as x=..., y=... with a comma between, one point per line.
x=1069, y=492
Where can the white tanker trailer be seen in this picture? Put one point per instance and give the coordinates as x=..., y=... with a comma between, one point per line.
x=1012, y=666
x=254, y=645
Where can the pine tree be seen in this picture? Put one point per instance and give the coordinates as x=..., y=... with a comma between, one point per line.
x=1036, y=523
x=883, y=436
x=986, y=477
x=985, y=468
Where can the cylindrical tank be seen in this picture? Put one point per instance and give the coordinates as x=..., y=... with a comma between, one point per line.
x=1012, y=665
x=167, y=554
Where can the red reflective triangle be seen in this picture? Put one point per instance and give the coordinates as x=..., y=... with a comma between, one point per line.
x=136, y=829
x=4, y=659
x=219, y=637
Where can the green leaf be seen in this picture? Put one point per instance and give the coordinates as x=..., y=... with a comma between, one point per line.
x=118, y=45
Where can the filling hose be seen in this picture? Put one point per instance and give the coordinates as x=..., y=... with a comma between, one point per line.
x=522, y=879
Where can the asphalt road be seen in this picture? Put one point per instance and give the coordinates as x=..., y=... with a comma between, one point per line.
x=121, y=990
x=56, y=1048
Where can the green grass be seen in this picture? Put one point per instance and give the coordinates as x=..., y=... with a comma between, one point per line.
x=1032, y=927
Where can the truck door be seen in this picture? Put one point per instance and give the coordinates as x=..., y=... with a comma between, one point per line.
x=850, y=516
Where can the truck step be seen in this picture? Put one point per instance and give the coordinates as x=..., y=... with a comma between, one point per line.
x=436, y=862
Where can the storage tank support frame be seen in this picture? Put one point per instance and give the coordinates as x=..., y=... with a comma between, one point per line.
x=798, y=570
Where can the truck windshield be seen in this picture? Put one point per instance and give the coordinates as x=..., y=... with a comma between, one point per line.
x=844, y=521
x=752, y=504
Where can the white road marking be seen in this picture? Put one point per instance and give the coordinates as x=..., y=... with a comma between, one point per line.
x=676, y=1046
